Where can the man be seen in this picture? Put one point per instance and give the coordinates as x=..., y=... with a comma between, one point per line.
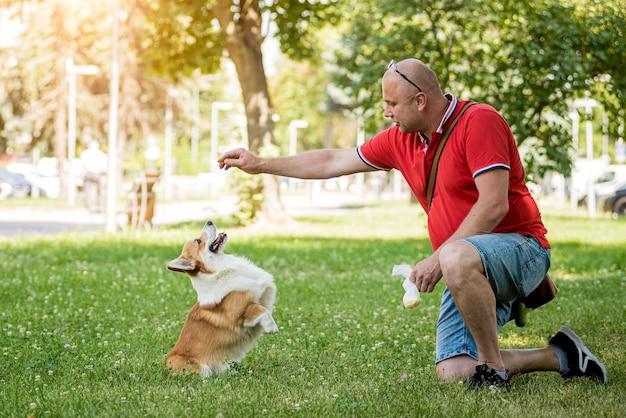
x=484, y=226
x=94, y=167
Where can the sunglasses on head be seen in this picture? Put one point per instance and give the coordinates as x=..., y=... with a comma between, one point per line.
x=392, y=66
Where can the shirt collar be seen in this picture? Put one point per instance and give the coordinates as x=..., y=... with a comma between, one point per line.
x=451, y=108
x=449, y=112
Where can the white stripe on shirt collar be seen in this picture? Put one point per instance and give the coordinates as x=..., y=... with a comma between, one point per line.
x=451, y=108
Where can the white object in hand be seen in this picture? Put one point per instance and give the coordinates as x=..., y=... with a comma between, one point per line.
x=411, y=296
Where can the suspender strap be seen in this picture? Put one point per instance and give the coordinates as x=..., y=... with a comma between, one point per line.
x=432, y=176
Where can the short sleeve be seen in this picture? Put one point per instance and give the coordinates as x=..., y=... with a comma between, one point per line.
x=488, y=141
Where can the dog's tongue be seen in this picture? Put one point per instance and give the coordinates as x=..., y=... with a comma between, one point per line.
x=218, y=241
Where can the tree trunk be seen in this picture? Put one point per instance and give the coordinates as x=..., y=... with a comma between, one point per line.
x=243, y=44
x=60, y=129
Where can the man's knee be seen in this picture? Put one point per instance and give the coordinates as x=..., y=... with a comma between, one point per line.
x=458, y=258
x=456, y=368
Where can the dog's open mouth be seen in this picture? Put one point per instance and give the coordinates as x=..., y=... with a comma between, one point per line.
x=217, y=243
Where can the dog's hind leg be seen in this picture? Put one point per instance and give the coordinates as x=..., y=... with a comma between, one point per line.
x=258, y=314
x=206, y=371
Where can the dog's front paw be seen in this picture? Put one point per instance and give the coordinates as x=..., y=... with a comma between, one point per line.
x=272, y=329
x=268, y=324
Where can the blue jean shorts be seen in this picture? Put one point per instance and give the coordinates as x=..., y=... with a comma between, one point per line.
x=514, y=265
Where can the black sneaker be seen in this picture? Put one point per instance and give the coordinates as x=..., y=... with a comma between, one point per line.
x=486, y=376
x=579, y=359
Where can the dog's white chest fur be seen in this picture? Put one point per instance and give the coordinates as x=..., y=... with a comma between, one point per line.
x=238, y=274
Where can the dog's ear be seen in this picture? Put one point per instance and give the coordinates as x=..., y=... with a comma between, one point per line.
x=181, y=265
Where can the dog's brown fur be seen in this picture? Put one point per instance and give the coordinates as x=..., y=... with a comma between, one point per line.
x=235, y=301
x=214, y=333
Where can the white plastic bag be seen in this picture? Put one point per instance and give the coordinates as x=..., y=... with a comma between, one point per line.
x=411, y=296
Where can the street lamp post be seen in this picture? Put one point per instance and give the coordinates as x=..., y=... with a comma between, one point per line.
x=573, y=197
x=110, y=224
x=200, y=83
x=168, y=169
x=195, y=132
x=588, y=104
x=215, y=108
x=294, y=125
x=72, y=71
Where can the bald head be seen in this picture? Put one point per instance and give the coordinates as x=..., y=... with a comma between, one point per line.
x=418, y=73
x=413, y=97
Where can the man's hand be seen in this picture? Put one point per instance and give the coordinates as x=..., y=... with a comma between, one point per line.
x=426, y=274
x=316, y=164
x=240, y=158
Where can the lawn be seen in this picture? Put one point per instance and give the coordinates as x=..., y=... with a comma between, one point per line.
x=87, y=319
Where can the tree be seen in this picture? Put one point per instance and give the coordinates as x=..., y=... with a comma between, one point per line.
x=194, y=34
x=37, y=79
x=33, y=74
x=527, y=59
x=300, y=90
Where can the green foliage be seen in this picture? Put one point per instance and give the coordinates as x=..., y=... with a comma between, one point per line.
x=300, y=91
x=249, y=190
x=33, y=74
x=181, y=37
x=527, y=59
x=86, y=320
x=32, y=70
x=296, y=22
x=188, y=33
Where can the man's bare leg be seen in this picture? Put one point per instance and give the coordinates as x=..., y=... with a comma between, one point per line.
x=465, y=277
x=515, y=361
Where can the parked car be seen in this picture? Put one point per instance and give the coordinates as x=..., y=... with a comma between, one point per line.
x=583, y=171
x=615, y=202
x=44, y=176
x=19, y=186
x=612, y=178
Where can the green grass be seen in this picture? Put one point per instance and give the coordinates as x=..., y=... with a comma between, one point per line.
x=86, y=321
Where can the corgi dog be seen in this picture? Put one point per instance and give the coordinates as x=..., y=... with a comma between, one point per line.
x=235, y=302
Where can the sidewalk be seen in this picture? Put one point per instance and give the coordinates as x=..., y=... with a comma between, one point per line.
x=15, y=222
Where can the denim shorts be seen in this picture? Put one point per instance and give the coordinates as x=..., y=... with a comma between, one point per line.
x=514, y=265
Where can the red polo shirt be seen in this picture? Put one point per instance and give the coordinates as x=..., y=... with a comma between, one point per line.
x=481, y=141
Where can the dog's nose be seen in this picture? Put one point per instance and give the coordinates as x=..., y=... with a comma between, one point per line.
x=209, y=223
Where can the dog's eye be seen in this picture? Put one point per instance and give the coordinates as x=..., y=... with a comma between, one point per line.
x=199, y=241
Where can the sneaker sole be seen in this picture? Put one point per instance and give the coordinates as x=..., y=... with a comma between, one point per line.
x=581, y=346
